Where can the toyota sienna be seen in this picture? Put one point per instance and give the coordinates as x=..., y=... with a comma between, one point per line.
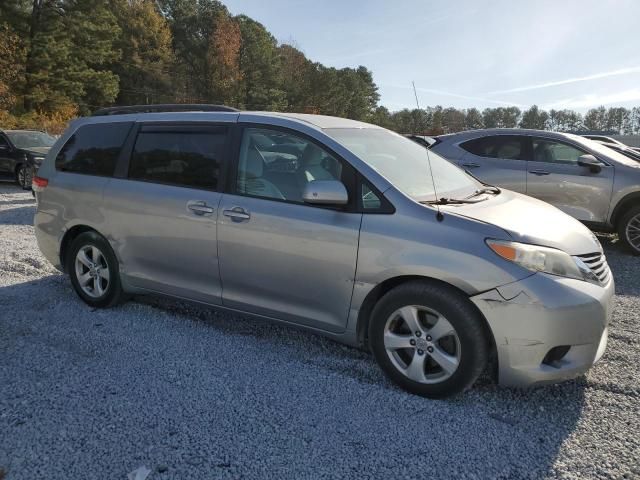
x=333, y=225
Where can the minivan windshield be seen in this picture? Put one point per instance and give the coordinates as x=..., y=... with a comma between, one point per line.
x=30, y=139
x=406, y=164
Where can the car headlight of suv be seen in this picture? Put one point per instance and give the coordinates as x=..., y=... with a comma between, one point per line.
x=37, y=160
x=544, y=259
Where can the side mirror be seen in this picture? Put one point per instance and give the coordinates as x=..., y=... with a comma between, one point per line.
x=591, y=162
x=325, y=192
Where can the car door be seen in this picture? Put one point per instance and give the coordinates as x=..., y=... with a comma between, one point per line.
x=162, y=212
x=554, y=176
x=497, y=160
x=6, y=160
x=280, y=257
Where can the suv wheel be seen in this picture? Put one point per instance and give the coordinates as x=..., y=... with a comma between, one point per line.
x=93, y=269
x=429, y=339
x=629, y=229
x=24, y=177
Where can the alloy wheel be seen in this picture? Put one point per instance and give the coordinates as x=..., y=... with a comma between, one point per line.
x=92, y=271
x=24, y=178
x=422, y=344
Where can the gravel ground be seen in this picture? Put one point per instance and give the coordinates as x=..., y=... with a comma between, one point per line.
x=191, y=393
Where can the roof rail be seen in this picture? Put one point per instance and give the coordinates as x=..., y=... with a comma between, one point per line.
x=168, y=107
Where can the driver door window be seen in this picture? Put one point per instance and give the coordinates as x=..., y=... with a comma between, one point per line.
x=555, y=152
x=278, y=165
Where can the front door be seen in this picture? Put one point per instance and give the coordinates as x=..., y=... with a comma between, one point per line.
x=163, y=216
x=554, y=176
x=498, y=160
x=280, y=257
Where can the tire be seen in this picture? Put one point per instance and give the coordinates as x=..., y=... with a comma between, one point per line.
x=628, y=228
x=24, y=176
x=96, y=279
x=450, y=362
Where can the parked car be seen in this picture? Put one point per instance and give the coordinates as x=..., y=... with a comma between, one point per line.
x=372, y=240
x=583, y=178
x=21, y=153
x=610, y=140
x=624, y=150
x=423, y=140
x=603, y=139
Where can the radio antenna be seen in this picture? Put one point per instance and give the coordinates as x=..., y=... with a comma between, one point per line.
x=439, y=215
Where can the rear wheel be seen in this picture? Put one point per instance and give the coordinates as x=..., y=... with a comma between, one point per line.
x=93, y=269
x=429, y=339
x=629, y=229
x=24, y=177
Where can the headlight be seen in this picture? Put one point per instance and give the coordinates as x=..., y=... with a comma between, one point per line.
x=543, y=259
x=37, y=160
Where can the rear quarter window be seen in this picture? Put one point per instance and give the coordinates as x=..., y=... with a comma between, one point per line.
x=93, y=149
x=509, y=147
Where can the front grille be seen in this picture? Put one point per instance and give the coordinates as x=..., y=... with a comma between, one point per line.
x=597, y=262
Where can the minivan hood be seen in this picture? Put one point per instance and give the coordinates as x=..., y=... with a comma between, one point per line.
x=532, y=221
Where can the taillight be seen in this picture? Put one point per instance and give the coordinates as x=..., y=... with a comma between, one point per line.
x=38, y=184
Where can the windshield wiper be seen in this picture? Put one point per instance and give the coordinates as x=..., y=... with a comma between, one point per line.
x=451, y=201
x=487, y=189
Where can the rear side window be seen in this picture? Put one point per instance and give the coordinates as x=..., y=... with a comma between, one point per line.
x=510, y=147
x=93, y=149
x=182, y=157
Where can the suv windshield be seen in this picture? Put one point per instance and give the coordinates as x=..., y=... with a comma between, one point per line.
x=406, y=164
x=27, y=139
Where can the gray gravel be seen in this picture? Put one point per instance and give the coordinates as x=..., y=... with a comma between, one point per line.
x=191, y=393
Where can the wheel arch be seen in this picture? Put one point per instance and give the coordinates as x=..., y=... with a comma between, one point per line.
x=628, y=201
x=376, y=293
x=68, y=238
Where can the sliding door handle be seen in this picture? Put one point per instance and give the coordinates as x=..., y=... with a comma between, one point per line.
x=539, y=172
x=237, y=214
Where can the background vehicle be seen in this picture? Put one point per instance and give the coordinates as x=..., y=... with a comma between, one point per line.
x=604, y=139
x=423, y=140
x=583, y=178
x=21, y=153
x=371, y=239
x=623, y=149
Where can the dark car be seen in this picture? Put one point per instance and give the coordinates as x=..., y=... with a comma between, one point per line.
x=21, y=153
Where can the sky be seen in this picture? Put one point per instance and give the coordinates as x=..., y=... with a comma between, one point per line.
x=462, y=53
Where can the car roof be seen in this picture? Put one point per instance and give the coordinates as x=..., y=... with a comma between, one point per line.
x=317, y=121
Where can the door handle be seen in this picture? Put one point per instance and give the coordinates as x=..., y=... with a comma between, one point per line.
x=200, y=208
x=237, y=214
x=539, y=172
x=470, y=165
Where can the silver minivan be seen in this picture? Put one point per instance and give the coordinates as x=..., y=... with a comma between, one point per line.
x=587, y=180
x=333, y=225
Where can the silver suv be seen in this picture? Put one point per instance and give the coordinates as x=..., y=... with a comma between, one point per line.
x=341, y=227
x=587, y=180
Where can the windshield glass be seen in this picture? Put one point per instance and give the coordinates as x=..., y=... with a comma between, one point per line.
x=406, y=164
x=27, y=139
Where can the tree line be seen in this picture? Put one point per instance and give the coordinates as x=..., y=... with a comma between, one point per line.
x=438, y=120
x=63, y=58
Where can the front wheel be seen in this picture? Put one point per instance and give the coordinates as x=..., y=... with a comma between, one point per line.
x=629, y=230
x=429, y=339
x=93, y=269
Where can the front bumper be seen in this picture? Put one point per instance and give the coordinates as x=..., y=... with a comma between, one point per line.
x=530, y=317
